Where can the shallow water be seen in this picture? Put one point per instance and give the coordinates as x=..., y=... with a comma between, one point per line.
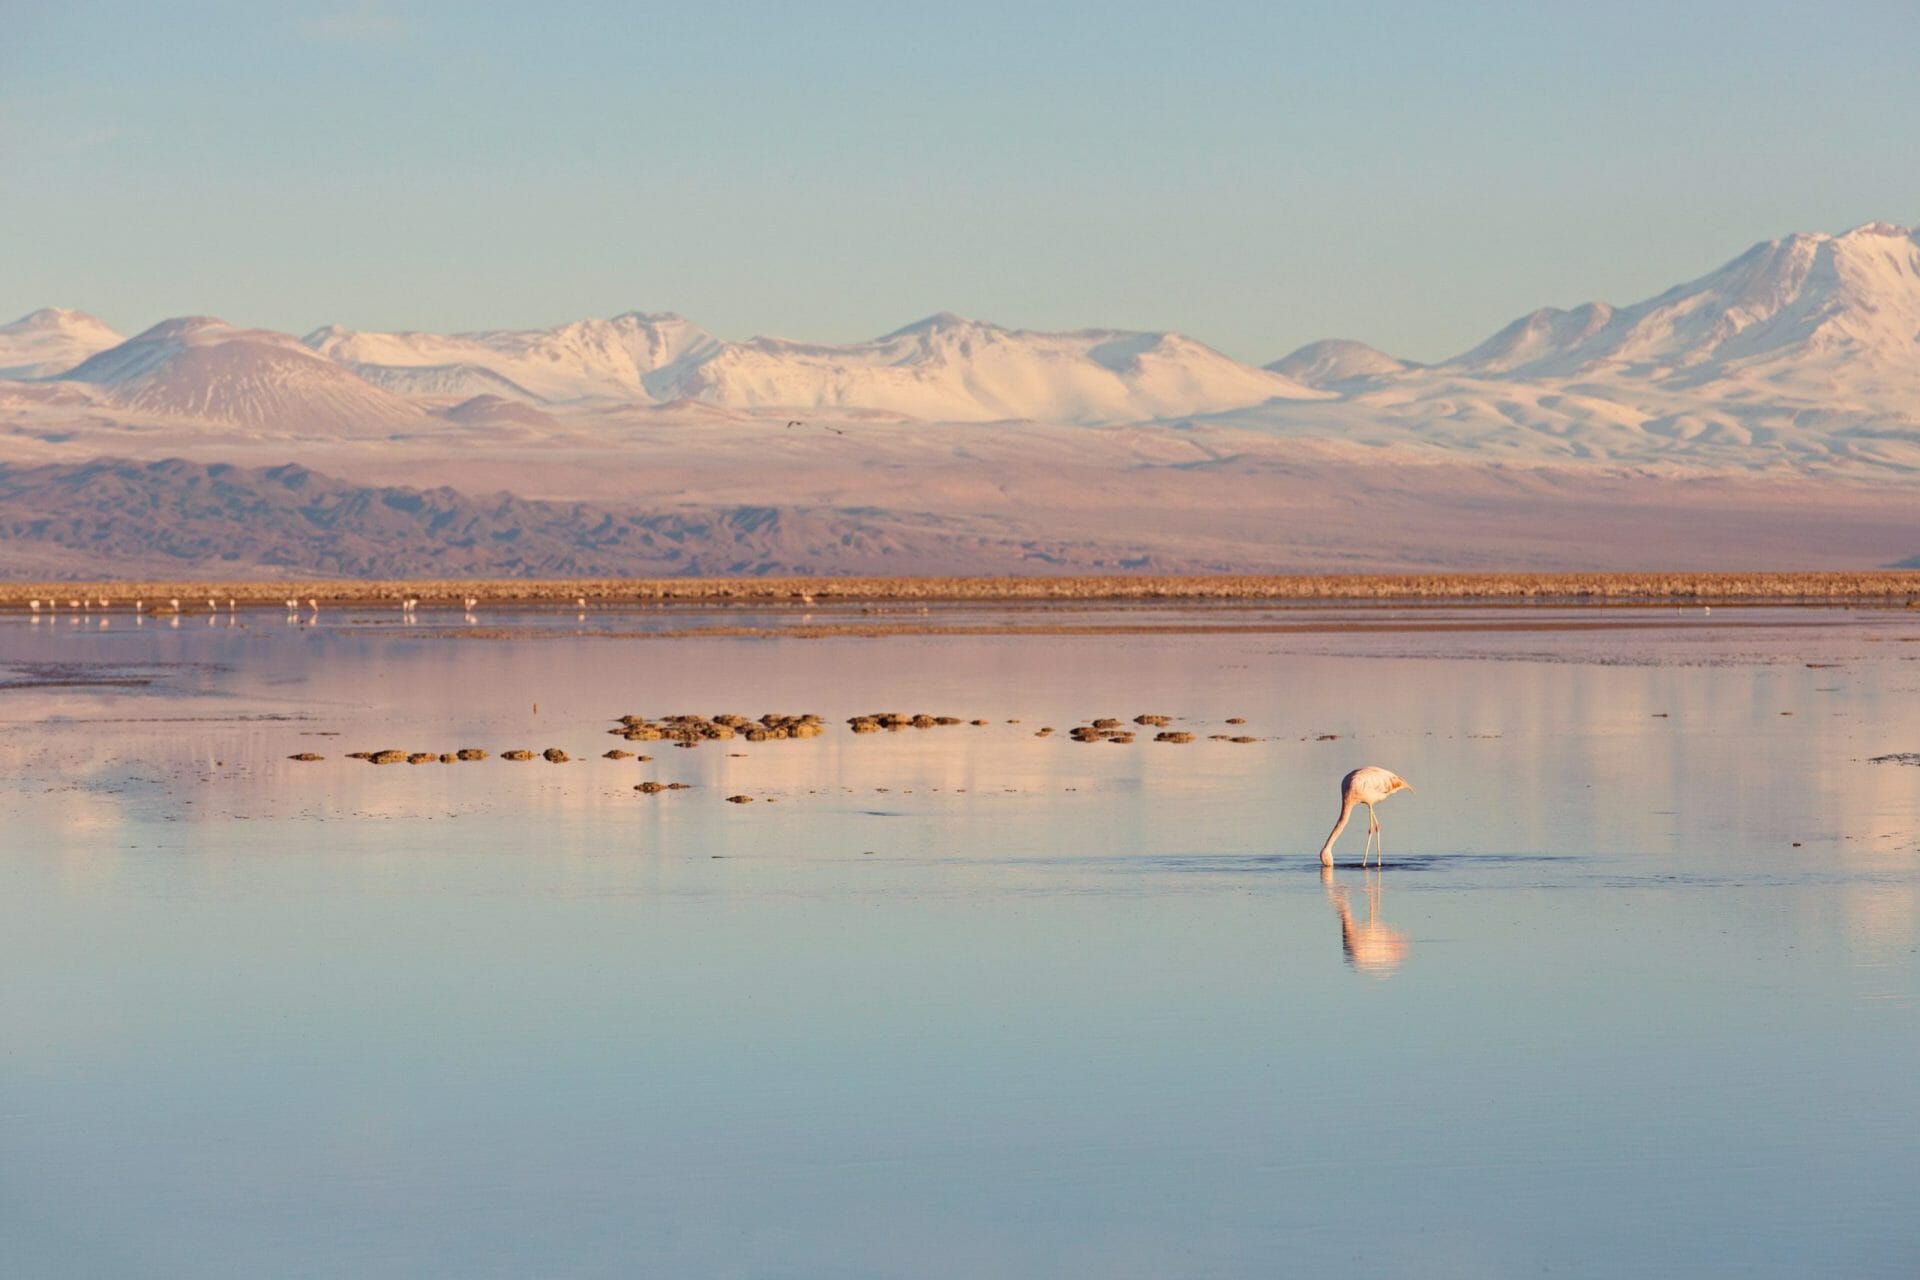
x=1634, y=994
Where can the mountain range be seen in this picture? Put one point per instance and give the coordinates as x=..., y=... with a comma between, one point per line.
x=1796, y=364
x=1802, y=348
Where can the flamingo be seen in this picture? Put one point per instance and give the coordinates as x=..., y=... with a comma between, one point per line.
x=1367, y=786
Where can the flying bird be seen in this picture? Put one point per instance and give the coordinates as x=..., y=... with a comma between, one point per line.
x=1367, y=786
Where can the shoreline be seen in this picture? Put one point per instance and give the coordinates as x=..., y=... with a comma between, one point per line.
x=1892, y=587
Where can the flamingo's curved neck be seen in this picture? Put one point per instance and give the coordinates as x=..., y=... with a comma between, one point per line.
x=1326, y=850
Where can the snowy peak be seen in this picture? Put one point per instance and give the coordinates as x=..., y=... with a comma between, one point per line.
x=56, y=320
x=203, y=368
x=943, y=368
x=1540, y=339
x=948, y=368
x=618, y=359
x=49, y=341
x=1335, y=363
x=939, y=321
x=1784, y=308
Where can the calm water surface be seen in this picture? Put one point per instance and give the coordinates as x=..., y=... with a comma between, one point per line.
x=1635, y=993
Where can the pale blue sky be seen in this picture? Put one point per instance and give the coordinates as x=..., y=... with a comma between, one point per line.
x=1255, y=175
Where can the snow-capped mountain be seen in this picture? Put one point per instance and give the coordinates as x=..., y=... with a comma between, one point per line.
x=200, y=368
x=942, y=369
x=1801, y=351
x=949, y=369
x=50, y=341
x=1804, y=309
x=1335, y=362
x=635, y=356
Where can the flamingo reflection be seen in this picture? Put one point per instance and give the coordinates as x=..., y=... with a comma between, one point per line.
x=1372, y=946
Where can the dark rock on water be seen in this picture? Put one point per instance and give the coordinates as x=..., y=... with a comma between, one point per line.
x=739, y=799
x=617, y=754
x=651, y=788
x=448, y=757
x=690, y=730
x=1156, y=722
x=423, y=757
x=895, y=720
x=1172, y=736
x=1898, y=757
x=516, y=755
x=470, y=753
x=306, y=755
x=388, y=756
x=554, y=755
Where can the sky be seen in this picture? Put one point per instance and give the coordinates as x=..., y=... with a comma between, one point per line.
x=1255, y=175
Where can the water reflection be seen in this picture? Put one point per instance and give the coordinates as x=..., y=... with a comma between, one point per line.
x=952, y=1011
x=1371, y=946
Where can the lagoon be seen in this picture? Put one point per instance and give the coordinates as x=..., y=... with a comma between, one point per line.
x=1634, y=994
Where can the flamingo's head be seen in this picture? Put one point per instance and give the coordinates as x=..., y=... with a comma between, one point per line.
x=1398, y=784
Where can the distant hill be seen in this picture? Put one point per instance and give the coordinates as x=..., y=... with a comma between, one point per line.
x=51, y=340
x=202, y=368
x=122, y=517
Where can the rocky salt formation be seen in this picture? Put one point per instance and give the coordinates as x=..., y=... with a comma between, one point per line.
x=894, y=721
x=691, y=730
